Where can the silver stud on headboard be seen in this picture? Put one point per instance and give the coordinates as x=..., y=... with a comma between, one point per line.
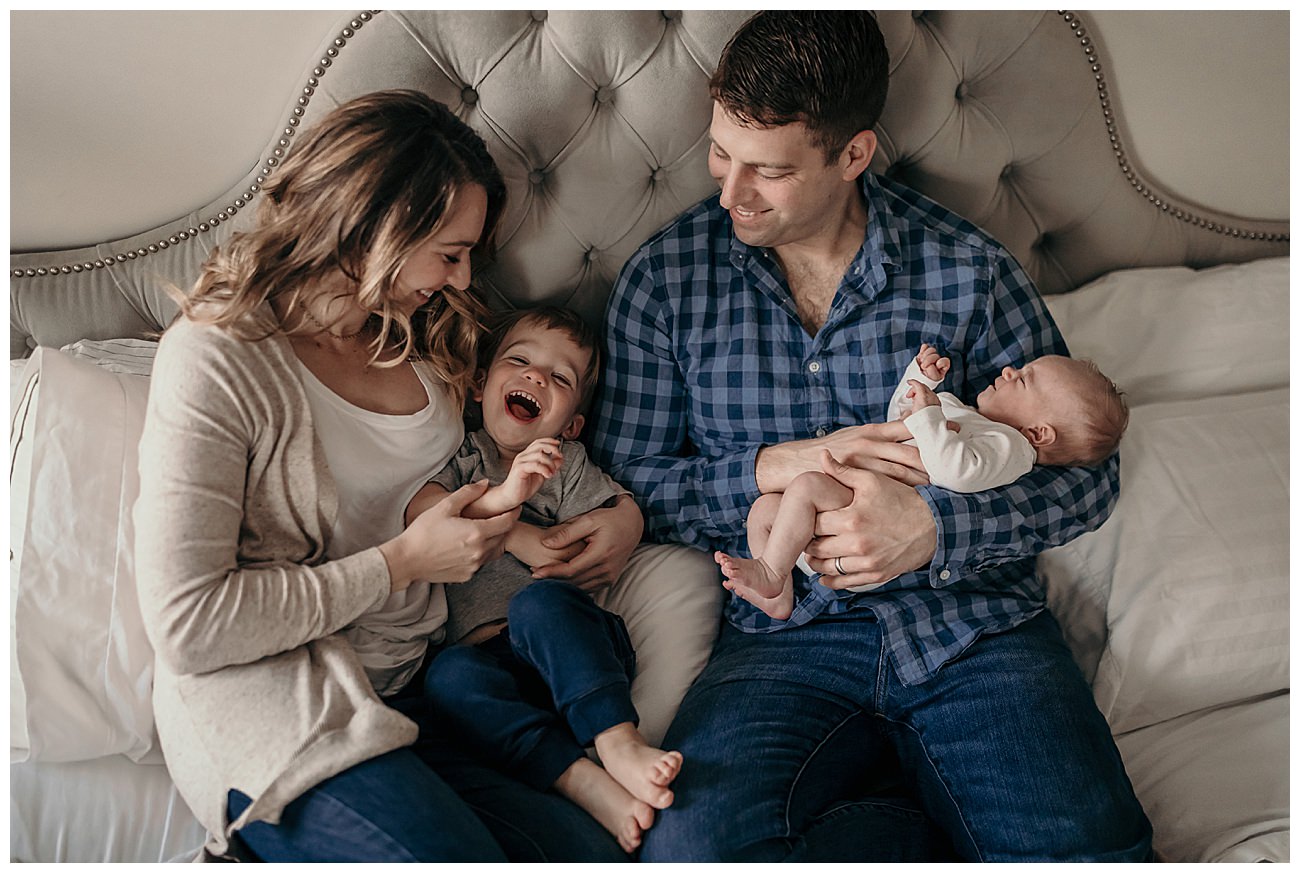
x=1117, y=146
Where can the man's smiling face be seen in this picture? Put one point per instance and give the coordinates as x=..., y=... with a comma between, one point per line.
x=775, y=182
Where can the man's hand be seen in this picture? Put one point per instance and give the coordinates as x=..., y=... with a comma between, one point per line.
x=525, y=542
x=886, y=531
x=876, y=447
x=609, y=536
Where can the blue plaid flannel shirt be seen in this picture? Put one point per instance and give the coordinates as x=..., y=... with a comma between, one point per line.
x=708, y=362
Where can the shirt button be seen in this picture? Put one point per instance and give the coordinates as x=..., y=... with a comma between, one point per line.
x=821, y=431
x=943, y=575
x=814, y=366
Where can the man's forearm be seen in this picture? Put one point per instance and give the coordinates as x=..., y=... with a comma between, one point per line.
x=1047, y=507
x=776, y=466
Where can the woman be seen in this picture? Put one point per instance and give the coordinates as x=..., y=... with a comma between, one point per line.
x=313, y=382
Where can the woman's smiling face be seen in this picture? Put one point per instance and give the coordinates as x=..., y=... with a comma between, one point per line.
x=443, y=259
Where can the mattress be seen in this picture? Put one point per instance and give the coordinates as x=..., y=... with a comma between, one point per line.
x=106, y=809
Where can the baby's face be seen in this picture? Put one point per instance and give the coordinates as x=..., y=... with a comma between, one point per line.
x=533, y=387
x=1027, y=396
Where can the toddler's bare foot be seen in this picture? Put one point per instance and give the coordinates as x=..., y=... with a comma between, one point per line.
x=646, y=772
x=753, y=580
x=587, y=784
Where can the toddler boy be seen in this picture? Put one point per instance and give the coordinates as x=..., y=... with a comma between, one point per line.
x=539, y=671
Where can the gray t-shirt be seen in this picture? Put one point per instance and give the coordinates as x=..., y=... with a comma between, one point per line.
x=579, y=486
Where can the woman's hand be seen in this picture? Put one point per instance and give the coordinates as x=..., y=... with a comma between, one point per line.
x=607, y=537
x=441, y=545
x=525, y=543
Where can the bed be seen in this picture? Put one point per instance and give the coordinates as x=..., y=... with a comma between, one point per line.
x=1177, y=609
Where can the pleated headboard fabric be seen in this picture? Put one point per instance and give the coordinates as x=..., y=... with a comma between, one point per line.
x=599, y=123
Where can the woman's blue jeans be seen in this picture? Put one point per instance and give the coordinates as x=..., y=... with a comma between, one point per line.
x=1003, y=755
x=429, y=802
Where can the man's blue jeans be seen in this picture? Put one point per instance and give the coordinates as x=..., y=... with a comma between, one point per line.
x=1003, y=755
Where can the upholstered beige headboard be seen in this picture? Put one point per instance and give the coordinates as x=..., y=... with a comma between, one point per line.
x=599, y=123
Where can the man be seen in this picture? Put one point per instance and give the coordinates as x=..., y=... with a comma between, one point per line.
x=768, y=324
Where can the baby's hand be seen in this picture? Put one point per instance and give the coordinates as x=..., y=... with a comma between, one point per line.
x=932, y=365
x=534, y=465
x=921, y=395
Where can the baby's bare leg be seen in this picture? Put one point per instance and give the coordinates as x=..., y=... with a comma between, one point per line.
x=758, y=526
x=765, y=579
x=751, y=578
x=796, y=518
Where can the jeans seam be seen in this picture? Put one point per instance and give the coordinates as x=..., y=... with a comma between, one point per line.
x=485, y=814
x=961, y=816
x=794, y=784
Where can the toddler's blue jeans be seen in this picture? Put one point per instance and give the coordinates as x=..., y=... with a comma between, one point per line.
x=530, y=699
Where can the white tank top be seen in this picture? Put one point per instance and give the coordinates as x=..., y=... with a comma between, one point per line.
x=379, y=461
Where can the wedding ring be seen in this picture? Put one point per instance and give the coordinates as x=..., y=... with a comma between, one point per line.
x=839, y=568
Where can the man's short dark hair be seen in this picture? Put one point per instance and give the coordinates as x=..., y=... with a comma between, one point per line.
x=558, y=318
x=829, y=70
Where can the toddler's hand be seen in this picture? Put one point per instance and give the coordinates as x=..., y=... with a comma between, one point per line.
x=534, y=465
x=932, y=365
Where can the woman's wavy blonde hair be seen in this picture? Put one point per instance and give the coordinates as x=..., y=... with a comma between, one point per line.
x=352, y=201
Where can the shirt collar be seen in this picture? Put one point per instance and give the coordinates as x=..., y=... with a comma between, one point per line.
x=882, y=244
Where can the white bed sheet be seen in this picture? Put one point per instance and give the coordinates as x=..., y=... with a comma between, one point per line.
x=105, y=810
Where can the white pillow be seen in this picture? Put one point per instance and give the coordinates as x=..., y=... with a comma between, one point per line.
x=1170, y=334
x=1174, y=333
x=1198, y=561
x=1199, y=607
x=23, y=388
x=81, y=667
x=133, y=356
x=670, y=597
x=1214, y=783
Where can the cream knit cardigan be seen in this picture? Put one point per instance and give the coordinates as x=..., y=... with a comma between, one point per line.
x=254, y=689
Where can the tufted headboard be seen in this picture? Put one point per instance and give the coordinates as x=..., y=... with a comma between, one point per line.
x=599, y=123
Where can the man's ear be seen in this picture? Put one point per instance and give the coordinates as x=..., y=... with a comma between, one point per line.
x=573, y=428
x=1039, y=435
x=857, y=155
x=476, y=388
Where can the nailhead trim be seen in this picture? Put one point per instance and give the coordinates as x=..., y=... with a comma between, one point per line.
x=268, y=166
x=1117, y=146
x=313, y=82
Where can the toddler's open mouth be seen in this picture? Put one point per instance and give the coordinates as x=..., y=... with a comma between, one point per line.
x=523, y=406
